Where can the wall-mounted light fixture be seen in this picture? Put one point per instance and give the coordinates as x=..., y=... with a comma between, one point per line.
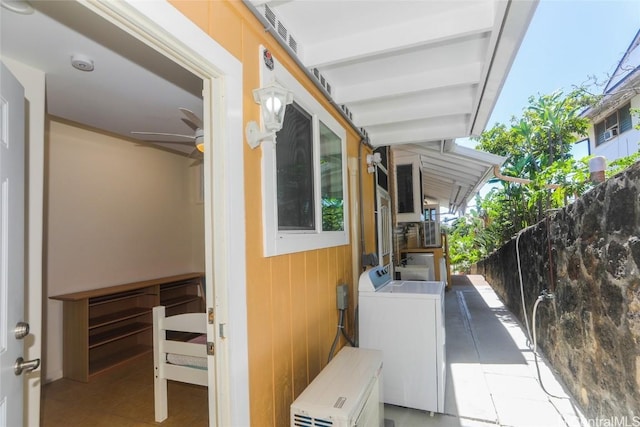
x=273, y=99
x=373, y=160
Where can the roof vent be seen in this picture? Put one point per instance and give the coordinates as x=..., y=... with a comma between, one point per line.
x=281, y=29
x=323, y=81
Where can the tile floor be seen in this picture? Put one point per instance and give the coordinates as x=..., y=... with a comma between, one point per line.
x=491, y=380
x=491, y=372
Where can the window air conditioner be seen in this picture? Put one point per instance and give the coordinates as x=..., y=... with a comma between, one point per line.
x=610, y=134
x=347, y=393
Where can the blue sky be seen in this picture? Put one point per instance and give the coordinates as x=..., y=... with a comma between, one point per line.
x=567, y=41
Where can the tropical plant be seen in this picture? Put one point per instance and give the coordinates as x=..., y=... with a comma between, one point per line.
x=537, y=147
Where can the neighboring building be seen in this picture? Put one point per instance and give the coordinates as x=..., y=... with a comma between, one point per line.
x=614, y=134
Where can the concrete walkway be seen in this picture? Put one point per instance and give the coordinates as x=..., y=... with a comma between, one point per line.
x=491, y=371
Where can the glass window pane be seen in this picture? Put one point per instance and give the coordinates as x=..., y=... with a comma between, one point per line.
x=331, y=180
x=294, y=162
x=404, y=177
x=611, y=120
x=625, y=118
x=599, y=131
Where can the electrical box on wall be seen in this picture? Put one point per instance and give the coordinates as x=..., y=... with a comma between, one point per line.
x=342, y=297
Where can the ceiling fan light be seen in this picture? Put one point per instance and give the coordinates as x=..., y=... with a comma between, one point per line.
x=200, y=146
x=17, y=6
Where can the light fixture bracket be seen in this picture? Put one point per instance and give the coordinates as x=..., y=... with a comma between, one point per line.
x=255, y=137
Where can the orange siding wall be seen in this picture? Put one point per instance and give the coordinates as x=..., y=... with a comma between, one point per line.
x=291, y=299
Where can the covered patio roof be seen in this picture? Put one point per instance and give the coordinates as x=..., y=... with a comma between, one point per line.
x=452, y=174
x=409, y=74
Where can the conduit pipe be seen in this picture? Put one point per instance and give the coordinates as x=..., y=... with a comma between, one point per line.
x=499, y=175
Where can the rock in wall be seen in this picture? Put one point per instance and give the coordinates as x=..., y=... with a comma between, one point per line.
x=588, y=255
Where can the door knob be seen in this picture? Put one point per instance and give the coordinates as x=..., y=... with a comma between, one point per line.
x=21, y=330
x=25, y=365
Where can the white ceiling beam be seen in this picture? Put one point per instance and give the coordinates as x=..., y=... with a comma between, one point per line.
x=459, y=177
x=465, y=74
x=381, y=39
x=412, y=111
x=453, y=168
x=410, y=135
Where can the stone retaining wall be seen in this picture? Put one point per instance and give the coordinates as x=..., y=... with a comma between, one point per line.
x=588, y=255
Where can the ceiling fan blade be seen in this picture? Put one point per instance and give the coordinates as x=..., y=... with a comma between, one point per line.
x=196, y=154
x=151, y=141
x=190, y=124
x=164, y=134
x=191, y=116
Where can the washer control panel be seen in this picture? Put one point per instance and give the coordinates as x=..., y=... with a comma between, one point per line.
x=374, y=279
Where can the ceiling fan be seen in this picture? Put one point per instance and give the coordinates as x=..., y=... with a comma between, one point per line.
x=191, y=120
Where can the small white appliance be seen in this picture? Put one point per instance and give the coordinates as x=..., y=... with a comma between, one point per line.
x=346, y=393
x=405, y=319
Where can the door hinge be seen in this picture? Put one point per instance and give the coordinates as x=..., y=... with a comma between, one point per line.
x=222, y=330
x=211, y=349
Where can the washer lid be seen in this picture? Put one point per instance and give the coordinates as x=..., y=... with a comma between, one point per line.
x=413, y=287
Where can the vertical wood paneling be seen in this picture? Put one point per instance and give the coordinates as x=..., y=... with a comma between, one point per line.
x=313, y=315
x=282, y=341
x=260, y=336
x=291, y=299
x=299, y=337
x=323, y=302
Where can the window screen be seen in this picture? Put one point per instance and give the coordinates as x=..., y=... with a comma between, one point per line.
x=294, y=162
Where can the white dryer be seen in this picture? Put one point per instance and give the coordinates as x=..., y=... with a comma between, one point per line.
x=405, y=319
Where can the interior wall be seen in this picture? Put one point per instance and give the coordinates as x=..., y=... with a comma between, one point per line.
x=291, y=299
x=117, y=212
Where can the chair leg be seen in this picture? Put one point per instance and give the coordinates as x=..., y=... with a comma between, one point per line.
x=160, y=396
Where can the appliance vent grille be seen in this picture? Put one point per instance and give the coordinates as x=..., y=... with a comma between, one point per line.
x=293, y=44
x=300, y=420
x=325, y=84
x=347, y=111
x=271, y=17
x=281, y=29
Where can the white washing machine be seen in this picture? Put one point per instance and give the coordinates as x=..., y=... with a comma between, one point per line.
x=405, y=319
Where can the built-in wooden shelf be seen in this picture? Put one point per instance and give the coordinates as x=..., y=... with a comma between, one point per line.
x=106, y=327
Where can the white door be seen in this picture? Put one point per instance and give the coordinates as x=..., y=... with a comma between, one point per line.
x=385, y=239
x=12, y=170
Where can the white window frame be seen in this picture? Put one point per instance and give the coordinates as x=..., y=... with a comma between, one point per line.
x=280, y=242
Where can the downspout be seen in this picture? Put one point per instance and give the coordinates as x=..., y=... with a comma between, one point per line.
x=354, y=216
x=362, y=240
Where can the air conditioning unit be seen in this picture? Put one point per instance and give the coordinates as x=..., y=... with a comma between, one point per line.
x=610, y=134
x=347, y=393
